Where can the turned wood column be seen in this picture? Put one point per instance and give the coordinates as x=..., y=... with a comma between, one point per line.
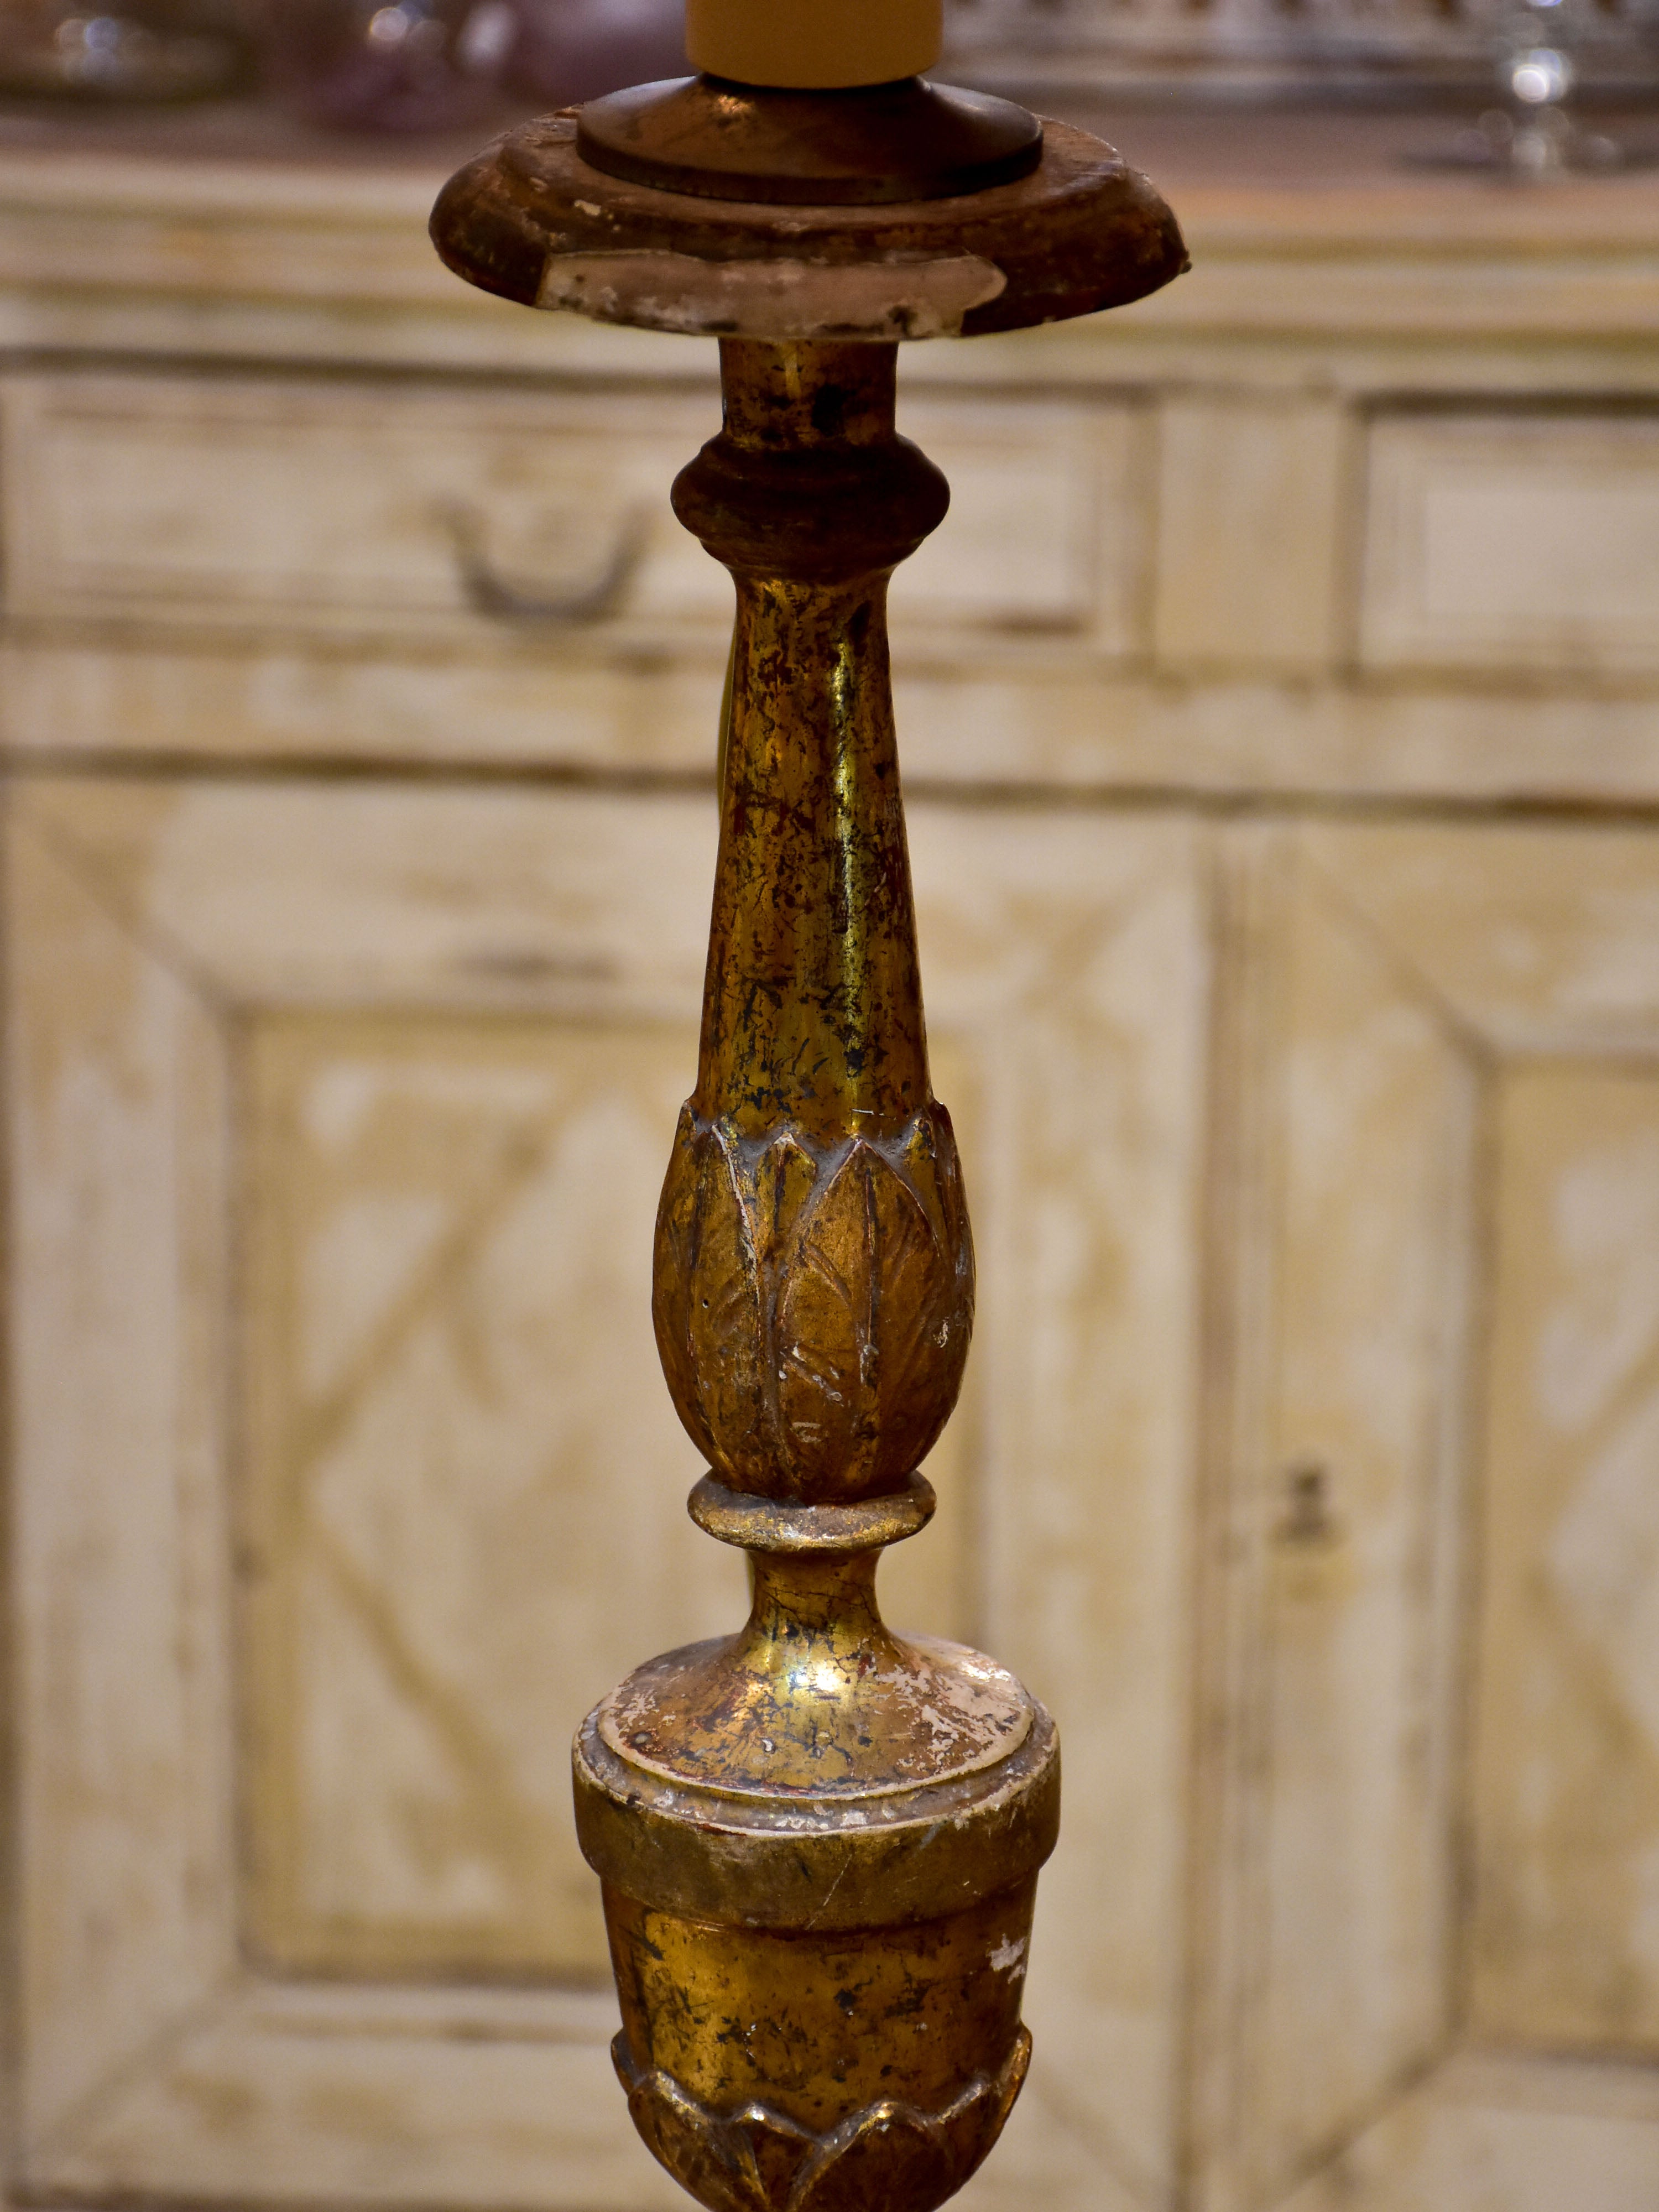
x=814, y=1281
x=819, y=1842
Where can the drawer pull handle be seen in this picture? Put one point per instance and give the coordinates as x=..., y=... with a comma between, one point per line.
x=490, y=593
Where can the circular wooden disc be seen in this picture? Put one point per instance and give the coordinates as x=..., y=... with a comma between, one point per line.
x=531, y=221
x=773, y=1524
x=910, y=141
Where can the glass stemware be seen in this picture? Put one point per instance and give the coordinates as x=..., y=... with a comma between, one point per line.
x=395, y=65
x=436, y=65
x=570, y=51
x=131, y=52
x=1533, y=134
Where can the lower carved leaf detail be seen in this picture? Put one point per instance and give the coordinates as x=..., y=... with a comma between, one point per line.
x=707, y=1290
x=814, y=1302
x=888, y=2157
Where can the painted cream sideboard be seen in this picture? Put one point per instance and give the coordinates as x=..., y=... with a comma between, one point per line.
x=1280, y=711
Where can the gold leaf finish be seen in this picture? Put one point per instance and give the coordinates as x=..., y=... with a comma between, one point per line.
x=814, y=1304
x=822, y=2026
x=817, y=1697
x=756, y=2160
x=814, y=1268
x=818, y=1841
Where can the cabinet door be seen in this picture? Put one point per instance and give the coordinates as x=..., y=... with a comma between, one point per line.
x=1432, y=1972
x=345, y=1478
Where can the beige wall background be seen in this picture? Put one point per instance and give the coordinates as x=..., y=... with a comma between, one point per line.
x=1280, y=711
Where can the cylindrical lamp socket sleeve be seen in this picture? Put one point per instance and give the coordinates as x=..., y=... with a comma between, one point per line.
x=813, y=44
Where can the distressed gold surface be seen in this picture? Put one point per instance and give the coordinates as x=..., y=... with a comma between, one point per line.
x=814, y=1277
x=820, y=2026
x=819, y=1841
x=747, y=2160
x=817, y=1697
x=814, y=1302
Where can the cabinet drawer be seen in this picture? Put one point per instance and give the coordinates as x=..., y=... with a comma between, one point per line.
x=333, y=508
x=326, y=507
x=1513, y=541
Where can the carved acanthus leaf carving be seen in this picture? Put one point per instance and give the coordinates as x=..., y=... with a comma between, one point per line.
x=814, y=1302
x=755, y=2159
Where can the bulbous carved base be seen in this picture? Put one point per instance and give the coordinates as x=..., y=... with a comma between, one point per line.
x=819, y=1842
x=756, y=2160
x=814, y=1301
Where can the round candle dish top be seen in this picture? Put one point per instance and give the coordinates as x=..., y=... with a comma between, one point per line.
x=532, y=221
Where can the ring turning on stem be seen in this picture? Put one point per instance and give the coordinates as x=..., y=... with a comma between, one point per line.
x=818, y=1840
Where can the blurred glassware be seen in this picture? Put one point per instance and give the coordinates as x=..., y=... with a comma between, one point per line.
x=441, y=64
x=1537, y=47
x=1532, y=134
x=410, y=65
x=136, y=53
x=569, y=51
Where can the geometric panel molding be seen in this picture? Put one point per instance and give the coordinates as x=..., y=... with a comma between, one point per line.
x=345, y=1478
x=1434, y=1922
x=458, y=1504
x=1566, y=1941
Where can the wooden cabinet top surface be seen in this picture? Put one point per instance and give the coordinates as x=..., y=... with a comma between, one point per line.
x=1312, y=228
x=1367, y=504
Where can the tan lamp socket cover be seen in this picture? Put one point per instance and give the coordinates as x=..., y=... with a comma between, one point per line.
x=813, y=44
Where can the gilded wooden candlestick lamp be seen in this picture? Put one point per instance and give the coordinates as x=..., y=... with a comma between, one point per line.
x=818, y=1843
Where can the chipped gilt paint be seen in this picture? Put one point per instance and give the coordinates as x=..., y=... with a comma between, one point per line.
x=818, y=1841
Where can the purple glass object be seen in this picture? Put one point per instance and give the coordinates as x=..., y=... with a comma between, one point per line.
x=569, y=51
x=137, y=49
x=393, y=65
x=441, y=64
